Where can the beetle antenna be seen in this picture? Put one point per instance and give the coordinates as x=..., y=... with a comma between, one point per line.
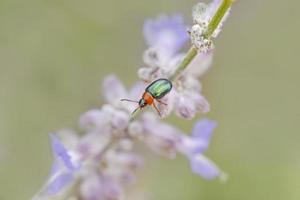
x=138, y=108
x=129, y=100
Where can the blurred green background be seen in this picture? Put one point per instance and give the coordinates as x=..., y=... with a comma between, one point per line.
x=54, y=54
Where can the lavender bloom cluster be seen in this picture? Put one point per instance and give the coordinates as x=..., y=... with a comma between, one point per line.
x=101, y=163
x=165, y=37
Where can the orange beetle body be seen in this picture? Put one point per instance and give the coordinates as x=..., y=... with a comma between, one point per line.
x=148, y=98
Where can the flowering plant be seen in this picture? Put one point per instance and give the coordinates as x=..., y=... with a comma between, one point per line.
x=101, y=163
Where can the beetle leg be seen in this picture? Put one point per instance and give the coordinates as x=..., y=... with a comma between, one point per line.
x=160, y=101
x=156, y=109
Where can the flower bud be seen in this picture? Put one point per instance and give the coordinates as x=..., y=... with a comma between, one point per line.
x=135, y=129
x=93, y=119
x=201, y=104
x=185, y=107
x=113, y=89
x=90, y=188
x=120, y=120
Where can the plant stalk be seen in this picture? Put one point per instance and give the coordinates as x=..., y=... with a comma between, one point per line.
x=212, y=26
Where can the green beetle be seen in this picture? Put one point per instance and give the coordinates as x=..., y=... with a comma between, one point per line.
x=155, y=91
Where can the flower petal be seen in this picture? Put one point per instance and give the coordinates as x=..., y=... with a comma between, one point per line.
x=59, y=182
x=120, y=120
x=60, y=153
x=200, y=64
x=93, y=119
x=113, y=89
x=204, y=167
x=161, y=137
x=201, y=104
x=190, y=146
x=203, y=130
x=91, y=187
x=185, y=107
x=167, y=33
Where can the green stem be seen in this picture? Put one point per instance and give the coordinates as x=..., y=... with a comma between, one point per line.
x=191, y=54
x=217, y=18
x=214, y=23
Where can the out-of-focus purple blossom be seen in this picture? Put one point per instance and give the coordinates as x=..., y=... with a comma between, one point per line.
x=185, y=107
x=101, y=162
x=63, y=168
x=199, y=140
x=204, y=167
x=160, y=137
x=93, y=143
x=195, y=145
x=99, y=187
x=113, y=90
x=185, y=98
x=202, y=105
x=69, y=137
x=159, y=65
x=111, y=189
x=122, y=166
x=165, y=36
x=120, y=120
x=200, y=64
x=203, y=130
x=167, y=140
x=91, y=187
x=167, y=33
x=126, y=160
x=188, y=100
x=93, y=119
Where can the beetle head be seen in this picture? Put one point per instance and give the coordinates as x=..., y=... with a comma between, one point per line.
x=142, y=103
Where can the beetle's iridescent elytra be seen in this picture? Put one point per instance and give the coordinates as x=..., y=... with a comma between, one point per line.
x=155, y=91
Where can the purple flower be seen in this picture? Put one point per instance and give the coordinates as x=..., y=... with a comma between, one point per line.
x=168, y=33
x=96, y=187
x=113, y=89
x=93, y=119
x=193, y=147
x=90, y=189
x=188, y=98
x=63, y=168
x=101, y=162
x=204, y=167
x=200, y=64
x=162, y=138
x=200, y=138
